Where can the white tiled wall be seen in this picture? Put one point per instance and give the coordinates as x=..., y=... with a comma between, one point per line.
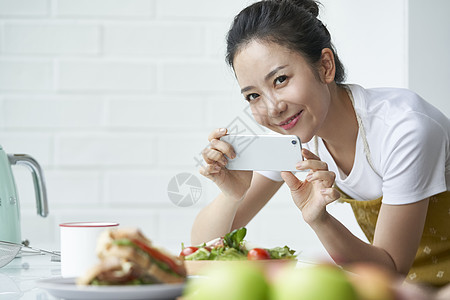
x=115, y=97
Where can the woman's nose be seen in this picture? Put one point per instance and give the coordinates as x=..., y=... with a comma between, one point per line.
x=275, y=107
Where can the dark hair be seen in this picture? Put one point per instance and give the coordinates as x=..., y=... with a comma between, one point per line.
x=290, y=23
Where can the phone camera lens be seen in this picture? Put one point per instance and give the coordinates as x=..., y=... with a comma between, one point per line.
x=294, y=142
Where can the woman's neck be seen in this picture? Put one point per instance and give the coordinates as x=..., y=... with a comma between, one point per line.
x=340, y=129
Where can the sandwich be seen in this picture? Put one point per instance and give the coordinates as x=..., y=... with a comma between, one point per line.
x=127, y=257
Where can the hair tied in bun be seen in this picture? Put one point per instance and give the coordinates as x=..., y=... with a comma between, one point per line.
x=310, y=6
x=292, y=24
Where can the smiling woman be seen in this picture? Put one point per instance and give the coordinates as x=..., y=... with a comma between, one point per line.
x=280, y=76
x=386, y=151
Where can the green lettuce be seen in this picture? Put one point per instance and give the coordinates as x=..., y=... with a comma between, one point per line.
x=282, y=253
x=200, y=254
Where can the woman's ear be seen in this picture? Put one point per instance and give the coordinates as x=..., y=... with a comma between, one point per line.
x=327, y=66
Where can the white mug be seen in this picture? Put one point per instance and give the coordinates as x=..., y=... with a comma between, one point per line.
x=78, y=246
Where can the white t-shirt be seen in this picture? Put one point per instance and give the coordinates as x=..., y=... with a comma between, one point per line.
x=409, y=146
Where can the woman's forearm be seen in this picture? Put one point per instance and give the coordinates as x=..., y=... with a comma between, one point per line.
x=214, y=220
x=345, y=248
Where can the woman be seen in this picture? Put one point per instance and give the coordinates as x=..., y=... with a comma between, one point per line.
x=385, y=151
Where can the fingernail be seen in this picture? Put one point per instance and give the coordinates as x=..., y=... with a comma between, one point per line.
x=299, y=165
x=233, y=155
x=309, y=177
x=323, y=191
x=222, y=130
x=217, y=168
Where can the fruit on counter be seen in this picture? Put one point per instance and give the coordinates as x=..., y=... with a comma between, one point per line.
x=229, y=282
x=323, y=282
x=241, y=280
x=233, y=247
x=372, y=282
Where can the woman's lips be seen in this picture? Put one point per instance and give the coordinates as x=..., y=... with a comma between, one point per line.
x=290, y=123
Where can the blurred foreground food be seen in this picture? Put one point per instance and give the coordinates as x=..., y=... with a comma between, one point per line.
x=247, y=282
x=243, y=281
x=127, y=257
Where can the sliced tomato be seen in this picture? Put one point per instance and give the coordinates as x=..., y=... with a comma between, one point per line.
x=258, y=254
x=156, y=254
x=188, y=251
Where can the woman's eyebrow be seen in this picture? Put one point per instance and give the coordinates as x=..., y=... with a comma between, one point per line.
x=247, y=88
x=270, y=74
x=274, y=71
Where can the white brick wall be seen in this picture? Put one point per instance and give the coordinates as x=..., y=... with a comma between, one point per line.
x=204, y=9
x=197, y=76
x=60, y=38
x=159, y=39
x=161, y=113
x=63, y=112
x=115, y=97
x=28, y=75
x=106, y=76
x=25, y=8
x=105, y=8
x=105, y=149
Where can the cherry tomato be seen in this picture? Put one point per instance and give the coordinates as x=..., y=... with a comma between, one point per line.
x=258, y=254
x=188, y=250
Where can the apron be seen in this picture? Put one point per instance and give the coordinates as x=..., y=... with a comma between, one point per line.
x=432, y=262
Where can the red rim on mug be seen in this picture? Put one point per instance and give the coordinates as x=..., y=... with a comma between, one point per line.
x=89, y=224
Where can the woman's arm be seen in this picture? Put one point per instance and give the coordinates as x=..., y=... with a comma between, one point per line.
x=223, y=215
x=397, y=236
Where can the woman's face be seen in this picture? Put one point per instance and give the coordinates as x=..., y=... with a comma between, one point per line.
x=284, y=93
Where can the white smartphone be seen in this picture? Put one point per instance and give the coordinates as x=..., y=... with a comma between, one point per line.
x=264, y=152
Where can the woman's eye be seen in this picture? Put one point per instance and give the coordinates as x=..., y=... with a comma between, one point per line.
x=280, y=79
x=251, y=97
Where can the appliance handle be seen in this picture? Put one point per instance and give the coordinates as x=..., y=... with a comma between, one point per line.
x=38, y=180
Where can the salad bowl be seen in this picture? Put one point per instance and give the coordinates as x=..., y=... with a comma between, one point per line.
x=269, y=266
x=232, y=249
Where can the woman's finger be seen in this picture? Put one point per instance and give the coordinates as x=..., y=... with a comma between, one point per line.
x=309, y=155
x=209, y=170
x=330, y=195
x=217, y=134
x=212, y=156
x=312, y=165
x=293, y=182
x=326, y=177
x=223, y=147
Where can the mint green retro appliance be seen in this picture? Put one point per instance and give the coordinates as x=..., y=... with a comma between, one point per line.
x=10, y=230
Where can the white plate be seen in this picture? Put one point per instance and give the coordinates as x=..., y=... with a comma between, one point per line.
x=66, y=288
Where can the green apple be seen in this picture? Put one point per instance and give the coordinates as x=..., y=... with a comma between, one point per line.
x=324, y=282
x=228, y=281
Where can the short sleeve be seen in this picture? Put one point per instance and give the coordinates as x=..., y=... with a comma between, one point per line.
x=272, y=175
x=413, y=160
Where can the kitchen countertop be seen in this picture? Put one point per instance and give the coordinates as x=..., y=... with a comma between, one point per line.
x=18, y=278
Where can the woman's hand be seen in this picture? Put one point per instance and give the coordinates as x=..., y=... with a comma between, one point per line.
x=316, y=192
x=233, y=184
